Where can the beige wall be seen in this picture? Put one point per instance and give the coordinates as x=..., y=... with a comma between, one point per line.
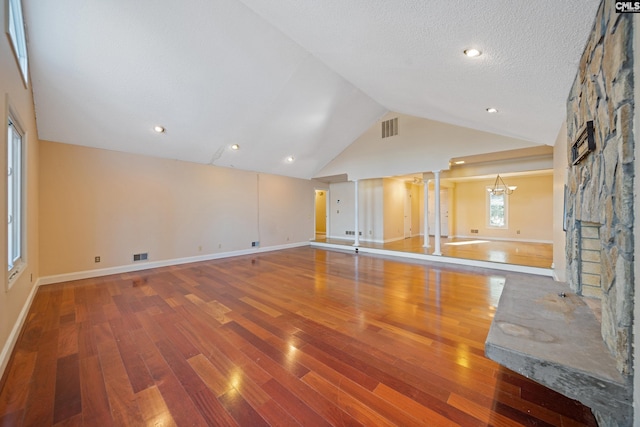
x=530, y=209
x=109, y=204
x=371, y=196
x=17, y=97
x=417, y=208
x=341, y=209
x=394, y=191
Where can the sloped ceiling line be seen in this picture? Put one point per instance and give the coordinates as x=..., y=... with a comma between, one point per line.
x=303, y=78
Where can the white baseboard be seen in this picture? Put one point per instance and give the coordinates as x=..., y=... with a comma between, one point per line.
x=395, y=239
x=87, y=274
x=11, y=341
x=351, y=239
x=500, y=239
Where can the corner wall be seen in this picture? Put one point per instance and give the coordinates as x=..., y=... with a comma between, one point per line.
x=113, y=205
x=16, y=96
x=530, y=209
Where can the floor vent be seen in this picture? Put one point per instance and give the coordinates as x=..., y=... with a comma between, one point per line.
x=390, y=128
x=141, y=257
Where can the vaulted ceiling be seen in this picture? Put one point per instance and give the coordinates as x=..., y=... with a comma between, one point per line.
x=296, y=78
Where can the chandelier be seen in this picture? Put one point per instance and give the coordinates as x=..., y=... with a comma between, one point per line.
x=499, y=187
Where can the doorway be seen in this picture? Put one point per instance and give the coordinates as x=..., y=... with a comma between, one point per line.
x=444, y=212
x=321, y=214
x=408, y=208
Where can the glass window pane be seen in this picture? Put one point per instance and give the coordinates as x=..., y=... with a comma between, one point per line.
x=17, y=36
x=497, y=211
x=14, y=195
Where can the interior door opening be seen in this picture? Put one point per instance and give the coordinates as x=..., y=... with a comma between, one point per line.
x=321, y=215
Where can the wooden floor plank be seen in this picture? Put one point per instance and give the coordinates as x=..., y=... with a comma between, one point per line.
x=95, y=401
x=40, y=405
x=68, y=400
x=153, y=408
x=291, y=337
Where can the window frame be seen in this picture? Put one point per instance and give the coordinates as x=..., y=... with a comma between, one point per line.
x=16, y=33
x=506, y=211
x=15, y=270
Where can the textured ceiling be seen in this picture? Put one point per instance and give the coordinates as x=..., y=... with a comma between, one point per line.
x=302, y=78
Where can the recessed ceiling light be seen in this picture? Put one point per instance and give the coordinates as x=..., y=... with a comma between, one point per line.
x=472, y=53
x=459, y=162
x=158, y=129
x=235, y=147
x=290, y=159
x=491, y=110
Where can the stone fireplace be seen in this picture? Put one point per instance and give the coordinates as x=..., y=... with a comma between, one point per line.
x=600, y=187
x=586, y=352
x=599, y=196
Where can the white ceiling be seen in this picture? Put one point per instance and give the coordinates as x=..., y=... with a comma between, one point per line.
x=302, y=78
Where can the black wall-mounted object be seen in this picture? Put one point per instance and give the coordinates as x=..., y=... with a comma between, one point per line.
x=584, y=145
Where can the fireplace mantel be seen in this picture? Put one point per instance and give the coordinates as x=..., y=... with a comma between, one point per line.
x=556, y=341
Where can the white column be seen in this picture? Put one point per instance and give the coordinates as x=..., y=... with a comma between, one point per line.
x=426, y=214
x=437, y=214
x=356, y=242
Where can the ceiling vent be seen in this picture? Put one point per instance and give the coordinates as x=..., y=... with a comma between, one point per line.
x=390, y=128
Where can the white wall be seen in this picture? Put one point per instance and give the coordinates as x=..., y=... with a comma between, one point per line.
x=421, y=145
x=370, y=215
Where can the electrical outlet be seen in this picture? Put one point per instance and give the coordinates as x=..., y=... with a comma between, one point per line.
x=97, y=259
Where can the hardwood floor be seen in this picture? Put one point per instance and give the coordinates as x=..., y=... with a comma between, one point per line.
x=295, y=337
x=500, y=251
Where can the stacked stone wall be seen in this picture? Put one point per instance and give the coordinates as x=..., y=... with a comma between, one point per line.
x=600, y=187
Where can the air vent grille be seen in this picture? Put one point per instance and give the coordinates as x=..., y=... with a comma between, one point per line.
x=141, y=257
x=390, y=128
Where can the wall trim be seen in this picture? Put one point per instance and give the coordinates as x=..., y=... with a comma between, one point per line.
x=502, y=239
x=349, y=239
x=12, y=339
x=88, y=274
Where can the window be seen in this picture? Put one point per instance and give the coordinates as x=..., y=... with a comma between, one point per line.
x=17, y=36
x=14, y=197
x=497, y=209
